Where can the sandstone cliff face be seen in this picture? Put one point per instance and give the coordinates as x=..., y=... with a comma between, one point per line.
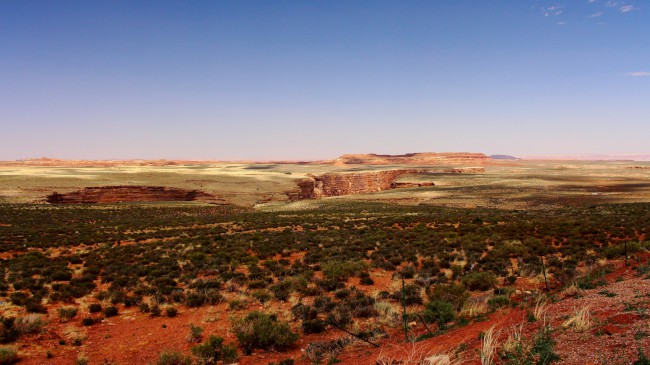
x=427, y=158
x=116, y=194
x=325, y=185
x=336, y=184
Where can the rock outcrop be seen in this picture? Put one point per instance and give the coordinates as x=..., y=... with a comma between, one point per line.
x=117, y=194
x=465, y=170
x=423, y=159
x=315, y=187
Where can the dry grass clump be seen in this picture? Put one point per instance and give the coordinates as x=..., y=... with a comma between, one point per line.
x=413, y=353
x=74, y=334
x=541, y=306
x=388, y=315
x=8, y=355
x=30, y=323
x=580, y=321
x=473, y=309
x=572, y=290
x=514, y=340
x=489, y=346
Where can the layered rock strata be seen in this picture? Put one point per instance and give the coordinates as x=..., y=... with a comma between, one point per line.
x=426, y=158
x=118, y=194
x=315, y=187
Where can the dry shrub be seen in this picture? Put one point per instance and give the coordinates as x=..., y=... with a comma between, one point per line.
x=414, y=353
x=489, y=346
x=388, y=315
x=28, y=324
x=541, y=306
x=580, y=321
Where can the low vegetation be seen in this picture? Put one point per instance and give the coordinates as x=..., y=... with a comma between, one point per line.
x=322, y=266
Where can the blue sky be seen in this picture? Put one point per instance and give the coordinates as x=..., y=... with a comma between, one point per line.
x=315, y=79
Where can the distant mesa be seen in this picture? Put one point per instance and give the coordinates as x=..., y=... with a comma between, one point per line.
x=422, y=159
x=504, y=157
x=119, y=194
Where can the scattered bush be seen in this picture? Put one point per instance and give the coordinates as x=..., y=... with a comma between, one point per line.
x=95, y=308
x=480, y=280
x=196, y=333
x=8, y=333
x=29, y=324
x=8, y=355
x=110, y=311
x=89, y=321
x=454, y=294
x=313, y=326
x=67, y=313
x=498, y=301
x=264, y=331
x=342, y=270
x=213, y=350
x=171, y=312
x=439, y=312
x=173, y=358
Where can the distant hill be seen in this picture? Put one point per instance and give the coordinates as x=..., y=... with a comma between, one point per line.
x=503, y=157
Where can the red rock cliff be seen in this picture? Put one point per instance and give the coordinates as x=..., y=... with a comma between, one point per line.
x=316, y=187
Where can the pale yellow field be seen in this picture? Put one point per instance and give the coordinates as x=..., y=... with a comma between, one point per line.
x=518, y=185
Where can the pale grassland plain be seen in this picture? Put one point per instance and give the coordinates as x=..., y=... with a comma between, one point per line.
x=511, y=185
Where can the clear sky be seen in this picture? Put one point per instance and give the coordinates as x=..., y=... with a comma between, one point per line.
x=315, y=79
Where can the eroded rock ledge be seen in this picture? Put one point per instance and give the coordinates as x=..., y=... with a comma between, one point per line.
x=117, y=194
x=315, y=187
x=336, y=184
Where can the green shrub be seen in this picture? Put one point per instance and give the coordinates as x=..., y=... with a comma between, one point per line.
x=29, y=324
x=213, y=350
x=67, y=313
x=154, y=310
x=544, y=346
x=236, y=304
x=8, y=333
x=407, y=272
x=196, y=333
x=8, y=355
x=411, y=294
x=171, y=312
x=264, y=331
x=313, y=326
x=440, y=312
x=110, y=311
x=342, y=270
x=498, y=301
x=89, y=321
x=173, y=358
x=95, y=308
x=480, y=280
x=454, y=294
x=262, y=295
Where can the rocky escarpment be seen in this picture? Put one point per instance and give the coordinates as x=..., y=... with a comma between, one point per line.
x=117, y=194
x=348, y=183
x=427, y=158
x=315, y=187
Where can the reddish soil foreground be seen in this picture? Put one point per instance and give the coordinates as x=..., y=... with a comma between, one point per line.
x=620, y=325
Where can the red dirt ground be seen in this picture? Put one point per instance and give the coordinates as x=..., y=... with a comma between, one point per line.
x=617, y=331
